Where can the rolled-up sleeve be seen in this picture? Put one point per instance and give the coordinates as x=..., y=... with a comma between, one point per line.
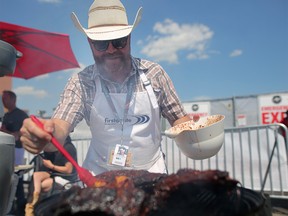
x=70, y=106
x=76, y=100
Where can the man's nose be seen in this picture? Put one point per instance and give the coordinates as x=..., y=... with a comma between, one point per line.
x=111, y=48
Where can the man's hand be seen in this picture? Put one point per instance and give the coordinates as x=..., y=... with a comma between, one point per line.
x=33, y=138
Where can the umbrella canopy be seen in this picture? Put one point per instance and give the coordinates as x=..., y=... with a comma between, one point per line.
x=43, y=52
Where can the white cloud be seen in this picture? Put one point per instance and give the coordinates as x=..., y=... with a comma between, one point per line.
x=236, y=53
x=197, y=55
x=75, y=70
x=70, y=71
x=171, y=38
x=30, y=91
x=41, y=77
x=60, y=74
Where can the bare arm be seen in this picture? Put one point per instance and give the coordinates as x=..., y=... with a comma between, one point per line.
x=67, y=168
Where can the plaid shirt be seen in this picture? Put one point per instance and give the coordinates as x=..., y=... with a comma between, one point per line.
x=79, y=93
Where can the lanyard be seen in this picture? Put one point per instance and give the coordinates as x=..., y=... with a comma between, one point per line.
x=131, y=84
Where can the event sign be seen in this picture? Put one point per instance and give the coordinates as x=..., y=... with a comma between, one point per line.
x=272, y=108
x=200, y=108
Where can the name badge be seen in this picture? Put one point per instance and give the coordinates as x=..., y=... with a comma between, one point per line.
x=120, y=155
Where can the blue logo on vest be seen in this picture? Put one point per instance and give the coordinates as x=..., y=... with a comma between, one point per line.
x=130, y=120
x=142, y=119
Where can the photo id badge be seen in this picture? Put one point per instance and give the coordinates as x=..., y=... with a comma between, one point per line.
x=120, y=155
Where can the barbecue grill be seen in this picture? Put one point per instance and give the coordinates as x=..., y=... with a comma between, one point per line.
x=188, y=192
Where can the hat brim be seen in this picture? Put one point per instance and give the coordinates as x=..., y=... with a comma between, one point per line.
x=107, y=32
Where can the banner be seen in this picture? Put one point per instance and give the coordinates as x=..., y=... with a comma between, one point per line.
x=272, y=108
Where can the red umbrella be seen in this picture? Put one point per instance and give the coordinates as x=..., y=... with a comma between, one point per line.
x=43, y=52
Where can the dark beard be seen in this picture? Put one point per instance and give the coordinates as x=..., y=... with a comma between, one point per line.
x=107, y=68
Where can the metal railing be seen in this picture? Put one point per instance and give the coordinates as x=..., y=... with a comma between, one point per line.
x=256, y=156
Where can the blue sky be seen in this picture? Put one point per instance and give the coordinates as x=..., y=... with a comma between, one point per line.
x=210, y=48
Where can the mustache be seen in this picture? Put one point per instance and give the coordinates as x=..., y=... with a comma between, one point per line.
x=114, y=54
x=101, y=59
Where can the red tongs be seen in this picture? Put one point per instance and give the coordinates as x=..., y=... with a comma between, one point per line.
x=84, y=175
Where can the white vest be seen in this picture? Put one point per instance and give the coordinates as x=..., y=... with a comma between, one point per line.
x=141, y=133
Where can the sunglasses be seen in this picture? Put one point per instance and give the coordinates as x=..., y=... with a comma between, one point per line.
x=102, y=45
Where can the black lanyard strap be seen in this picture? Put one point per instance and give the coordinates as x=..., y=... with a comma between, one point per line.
x=130, y=88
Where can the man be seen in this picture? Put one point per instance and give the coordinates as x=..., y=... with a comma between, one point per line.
x=121, y=98
x=12, y=122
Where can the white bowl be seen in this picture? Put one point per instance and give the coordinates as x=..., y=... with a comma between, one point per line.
x=204, y=139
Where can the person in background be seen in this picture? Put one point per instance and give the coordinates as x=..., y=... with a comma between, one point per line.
x=11, y=124
x=53, y=162
x=285, y=122
x=121, y=98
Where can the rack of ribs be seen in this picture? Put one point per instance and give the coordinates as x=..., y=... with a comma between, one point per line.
x=140, y=193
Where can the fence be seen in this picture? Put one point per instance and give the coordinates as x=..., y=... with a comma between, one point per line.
x=256, y=156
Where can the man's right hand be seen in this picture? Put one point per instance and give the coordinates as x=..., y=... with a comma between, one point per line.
x=33, y=138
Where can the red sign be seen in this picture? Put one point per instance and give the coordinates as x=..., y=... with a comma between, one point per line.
x=272, y=108
x=269, y=117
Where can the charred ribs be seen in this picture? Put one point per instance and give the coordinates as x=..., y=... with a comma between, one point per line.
x=140, y=193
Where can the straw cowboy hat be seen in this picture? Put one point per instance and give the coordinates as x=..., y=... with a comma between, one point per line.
x=107, y=20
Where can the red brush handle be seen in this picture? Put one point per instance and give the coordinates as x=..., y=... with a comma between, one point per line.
x=84, y=174
x=55, y=142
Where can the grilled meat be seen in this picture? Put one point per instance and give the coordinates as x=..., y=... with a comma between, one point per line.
x=140, y=193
